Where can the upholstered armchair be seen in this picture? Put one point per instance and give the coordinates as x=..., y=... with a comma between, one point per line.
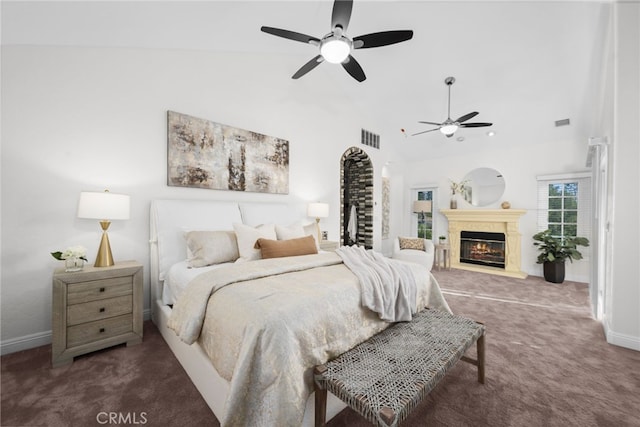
x=420, y=256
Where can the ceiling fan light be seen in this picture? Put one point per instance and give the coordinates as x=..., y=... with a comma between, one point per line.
x=449, y=129
x=335, y=51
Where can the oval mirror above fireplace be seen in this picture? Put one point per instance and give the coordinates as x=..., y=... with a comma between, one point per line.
x=484, y=186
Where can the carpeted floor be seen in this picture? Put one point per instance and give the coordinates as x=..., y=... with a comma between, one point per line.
x=547, y=365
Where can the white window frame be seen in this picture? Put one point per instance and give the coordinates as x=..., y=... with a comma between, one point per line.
x=584, y=228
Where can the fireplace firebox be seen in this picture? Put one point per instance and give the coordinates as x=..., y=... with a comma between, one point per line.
x=482, y=248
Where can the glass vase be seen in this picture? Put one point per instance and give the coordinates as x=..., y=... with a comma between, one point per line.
x=72, y=264
x=453, y=204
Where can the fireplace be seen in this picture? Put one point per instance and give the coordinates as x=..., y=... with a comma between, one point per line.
x=482, y=248
x=499, y=255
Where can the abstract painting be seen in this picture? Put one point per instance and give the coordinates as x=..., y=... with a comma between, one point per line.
x=205, y=154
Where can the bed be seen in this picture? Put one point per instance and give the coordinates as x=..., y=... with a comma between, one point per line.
x=248, y=374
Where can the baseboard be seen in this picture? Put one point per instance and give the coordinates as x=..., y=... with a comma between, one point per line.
x=621, y=340
x=38, y=339
x=26, y=342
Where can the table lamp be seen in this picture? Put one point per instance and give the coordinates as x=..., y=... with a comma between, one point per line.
x=318, y=210
x=104, y=206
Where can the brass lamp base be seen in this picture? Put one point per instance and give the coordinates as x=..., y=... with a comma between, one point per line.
x=104, y=257
x=319, y=233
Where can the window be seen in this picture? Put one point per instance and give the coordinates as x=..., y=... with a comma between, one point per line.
x=425, y=220
x=564, y=204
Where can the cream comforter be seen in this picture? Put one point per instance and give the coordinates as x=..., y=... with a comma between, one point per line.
x=280, y=318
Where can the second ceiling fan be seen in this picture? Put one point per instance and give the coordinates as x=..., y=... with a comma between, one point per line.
x=336, y=47
x=449, y=127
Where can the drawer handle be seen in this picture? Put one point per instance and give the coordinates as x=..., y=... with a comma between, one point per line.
x=101, y=309
x=101, y=289
x=101, y=330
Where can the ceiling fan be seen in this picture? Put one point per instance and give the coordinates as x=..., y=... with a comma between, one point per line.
x=336, y=47
x=449, y=127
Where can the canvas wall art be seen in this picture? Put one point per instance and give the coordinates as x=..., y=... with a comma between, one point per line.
x=206, y=154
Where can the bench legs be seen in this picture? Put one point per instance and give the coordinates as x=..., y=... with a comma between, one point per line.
x=479, y=362
x=480, y=347
x=320, y=400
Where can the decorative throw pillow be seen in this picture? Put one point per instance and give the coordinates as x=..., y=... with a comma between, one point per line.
x=292, y=231
x=411, y=243
x=311, y=229
x=211, y=247
x=282, y=248
x=247, y=237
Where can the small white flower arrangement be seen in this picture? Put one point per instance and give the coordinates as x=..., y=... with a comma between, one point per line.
x=458, y=187
x=71, y=252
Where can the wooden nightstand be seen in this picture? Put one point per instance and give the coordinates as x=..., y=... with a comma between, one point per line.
x=328, y=245
x=95, y=308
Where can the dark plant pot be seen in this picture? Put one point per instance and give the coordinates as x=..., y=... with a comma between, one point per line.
x=554, y=271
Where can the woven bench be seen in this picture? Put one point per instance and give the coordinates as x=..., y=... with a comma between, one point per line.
x=387, y=376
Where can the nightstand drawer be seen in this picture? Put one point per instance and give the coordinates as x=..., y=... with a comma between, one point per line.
x=101, y=309
x=99, y=289
x=101, y=329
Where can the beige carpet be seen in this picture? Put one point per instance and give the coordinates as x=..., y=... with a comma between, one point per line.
x=547, y=365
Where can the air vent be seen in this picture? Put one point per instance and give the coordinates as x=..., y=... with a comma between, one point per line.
x=370, y=139
x=563, y=122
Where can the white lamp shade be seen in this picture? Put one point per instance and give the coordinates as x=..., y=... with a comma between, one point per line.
x=318, y=210
x=103, y=205
x=422, y=206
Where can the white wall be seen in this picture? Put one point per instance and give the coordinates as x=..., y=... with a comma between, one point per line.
x=623, y=283
x=82, y=119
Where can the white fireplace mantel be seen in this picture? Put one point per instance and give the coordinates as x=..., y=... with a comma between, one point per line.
x=487, y=220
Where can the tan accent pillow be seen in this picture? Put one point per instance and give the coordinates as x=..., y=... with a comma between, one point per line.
x=411, y=243
x=282, y=248
x=211, y=247
x=247, y=237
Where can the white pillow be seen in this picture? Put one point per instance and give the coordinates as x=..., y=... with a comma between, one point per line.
x=247, y=237
x=312, y=229
x=289, y=232
x=211, y=247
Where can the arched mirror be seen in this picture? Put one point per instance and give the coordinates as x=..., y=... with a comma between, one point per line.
x=483, y=186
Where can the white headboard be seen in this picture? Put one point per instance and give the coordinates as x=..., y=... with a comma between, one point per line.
x=169, y=219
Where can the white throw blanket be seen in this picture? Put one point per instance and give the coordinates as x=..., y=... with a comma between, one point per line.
x=388, y=286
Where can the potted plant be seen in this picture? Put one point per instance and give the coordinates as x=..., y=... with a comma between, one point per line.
x=442, y=239
x=554, y=251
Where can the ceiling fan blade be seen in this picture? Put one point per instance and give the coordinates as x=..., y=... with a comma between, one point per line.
x=308, y=67
x=475, y=125
x=467, y=117
x=431, y=123
x=341, y=14
x=424, y=131
x=383, y=38
x=291, y=35
x=353, y=68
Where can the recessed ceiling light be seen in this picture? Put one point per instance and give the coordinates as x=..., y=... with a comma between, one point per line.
x=491, y=133
x=460, y=138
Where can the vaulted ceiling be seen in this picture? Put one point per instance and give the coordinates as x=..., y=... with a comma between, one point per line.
x=521, y=64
